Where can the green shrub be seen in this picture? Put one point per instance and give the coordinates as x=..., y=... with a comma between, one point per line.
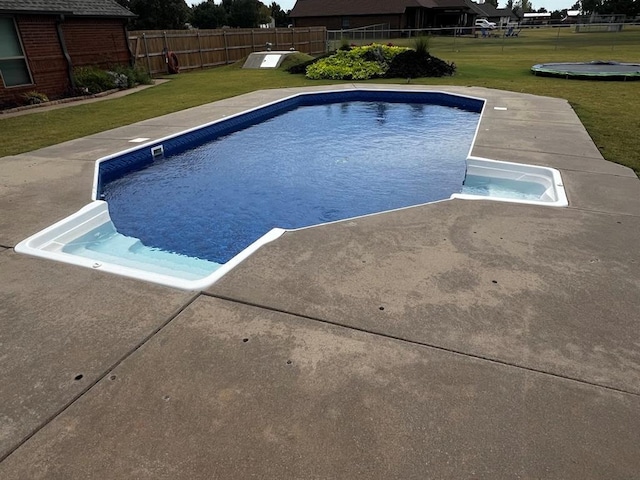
x=297, y=62
x=93, y=80
x=411, y=64
x=358, y=63
x=35, y=98
x=421, y=45
x=344, y=44
x=135, y=75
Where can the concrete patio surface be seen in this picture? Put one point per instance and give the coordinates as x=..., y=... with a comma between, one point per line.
x=460, y=339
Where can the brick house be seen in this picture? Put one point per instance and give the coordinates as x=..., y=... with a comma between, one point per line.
x=397, y=14
x=41, y=41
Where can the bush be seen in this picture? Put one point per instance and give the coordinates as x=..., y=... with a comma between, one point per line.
x=35, y=98
x=358, y=63
x=344, y=67
x=93, y=80
x=411, y=64
x=301, y=67
x=421, y=45
x=297, y=62
x=135, y=75
x=120, y=80
x=344, y=44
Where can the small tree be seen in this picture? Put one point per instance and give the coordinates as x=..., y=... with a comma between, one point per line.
x=630, y=8
x=591, y=6
x=244, y=14
x=159, y=14
x=208, y=15
x=279, y=16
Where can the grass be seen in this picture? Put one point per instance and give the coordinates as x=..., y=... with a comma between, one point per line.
x=609, y=110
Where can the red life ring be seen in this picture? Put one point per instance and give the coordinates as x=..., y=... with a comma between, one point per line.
x=172, y=63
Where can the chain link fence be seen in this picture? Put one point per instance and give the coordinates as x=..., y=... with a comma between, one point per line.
x=552, y=37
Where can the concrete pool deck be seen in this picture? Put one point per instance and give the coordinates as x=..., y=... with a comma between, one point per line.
x=461, y=339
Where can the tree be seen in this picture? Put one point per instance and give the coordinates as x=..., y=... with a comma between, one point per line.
x=226, y=4
x=208, y=15
x=244, y=14
x=159, y=14
x=630, y=8
x=591, y=6
x=279, y=16
x=521, y=6
x=264, y=14
x=492, y=2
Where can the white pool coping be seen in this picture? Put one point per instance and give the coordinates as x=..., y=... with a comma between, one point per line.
x=48, y=243
x=554, y=195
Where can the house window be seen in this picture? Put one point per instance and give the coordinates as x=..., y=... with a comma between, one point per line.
x=13, y=64
x=345, y=22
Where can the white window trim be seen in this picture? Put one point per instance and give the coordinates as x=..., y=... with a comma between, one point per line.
x=23, y=57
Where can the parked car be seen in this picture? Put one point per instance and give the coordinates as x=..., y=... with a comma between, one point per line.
x=484, y=23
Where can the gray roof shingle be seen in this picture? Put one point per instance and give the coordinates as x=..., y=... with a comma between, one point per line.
x=483, y=9
x=80, y=8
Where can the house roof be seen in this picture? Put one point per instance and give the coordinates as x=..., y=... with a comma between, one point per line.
x=331, y=8
x=507, y=12
x=484, y=9
x=80, y=8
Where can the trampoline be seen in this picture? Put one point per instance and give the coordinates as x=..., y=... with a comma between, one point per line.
x=596, y=70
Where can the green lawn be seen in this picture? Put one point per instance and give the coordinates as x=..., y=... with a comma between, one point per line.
x=609, y=110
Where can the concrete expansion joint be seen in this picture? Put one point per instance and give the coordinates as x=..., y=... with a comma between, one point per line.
x=426, y=345
x=615, y=175
x=538, y=152
x=100, y=377
x=601, y=212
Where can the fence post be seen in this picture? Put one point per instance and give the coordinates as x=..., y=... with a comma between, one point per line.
x=166, y=43
x=253, y=40
x=200, y=49
x=226, y=47
x=146, y=52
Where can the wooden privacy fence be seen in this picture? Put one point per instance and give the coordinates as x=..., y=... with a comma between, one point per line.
x=210, y=48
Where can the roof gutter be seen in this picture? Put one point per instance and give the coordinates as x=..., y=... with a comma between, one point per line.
x=68, y=13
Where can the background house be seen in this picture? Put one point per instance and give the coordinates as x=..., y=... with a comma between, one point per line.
x=397, y=14
x=41, y=41
x=483, y=10
x=507, y=16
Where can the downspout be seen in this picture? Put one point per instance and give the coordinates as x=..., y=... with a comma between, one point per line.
x=132, y=59
x=65, y=52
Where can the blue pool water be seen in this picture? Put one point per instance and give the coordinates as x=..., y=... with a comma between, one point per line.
x=502, y=187
x=311, y=165
x=106, y=244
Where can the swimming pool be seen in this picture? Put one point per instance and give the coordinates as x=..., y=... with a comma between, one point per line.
x=143, y=183
x=310, y=165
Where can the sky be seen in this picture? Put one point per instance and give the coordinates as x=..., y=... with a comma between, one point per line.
x=550, y=5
